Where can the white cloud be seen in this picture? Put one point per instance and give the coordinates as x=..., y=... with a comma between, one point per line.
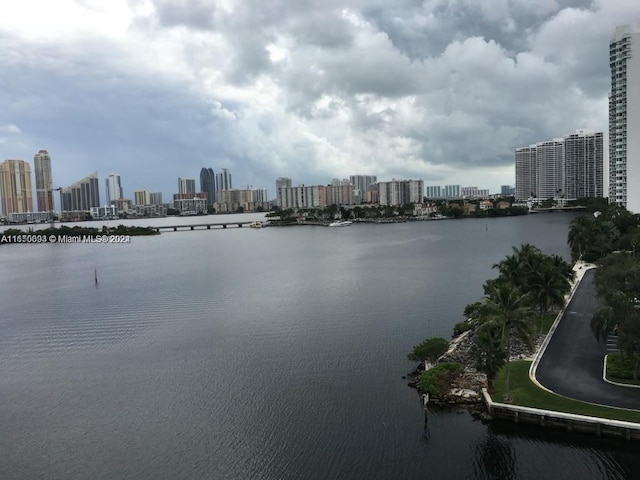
x=307, y=89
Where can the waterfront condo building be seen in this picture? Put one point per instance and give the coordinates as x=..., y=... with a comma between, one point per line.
x=281, y=182
x=584, y=164
x=114, y=188
x=142, y=197
x=44, y=181
x=223, y=180
x=155, y=198
x=452, y=191
x=186, y=186
x=340, y=192
x=624, y=118
x=526, y=173
x=550, y=163
x=311, y=196
x=433, y=191
x=362, y=185
x=15, y=187
x=82, y=195
x=208, y=184
x=474, y=192
x=570, y=167
x=400, y=192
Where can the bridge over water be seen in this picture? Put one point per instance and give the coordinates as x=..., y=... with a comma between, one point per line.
x=201, y=226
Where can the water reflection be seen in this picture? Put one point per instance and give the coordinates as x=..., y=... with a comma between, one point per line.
x=494, y=457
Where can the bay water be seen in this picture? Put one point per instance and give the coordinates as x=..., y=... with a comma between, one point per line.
x=273, y=353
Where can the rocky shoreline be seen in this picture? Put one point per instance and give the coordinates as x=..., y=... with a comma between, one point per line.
x=466, y=390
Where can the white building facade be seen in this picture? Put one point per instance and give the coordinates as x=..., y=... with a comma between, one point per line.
x=624, y=118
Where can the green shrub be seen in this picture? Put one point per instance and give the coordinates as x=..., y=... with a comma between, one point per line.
x=461, y=327
x=430, y=349
x=437, y=381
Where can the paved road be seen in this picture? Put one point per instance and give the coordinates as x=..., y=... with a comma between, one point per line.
x=572, y=364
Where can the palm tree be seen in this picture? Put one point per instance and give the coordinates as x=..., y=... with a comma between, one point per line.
x=504, y=311
x=580, y=231
x=550, y=283
x=519, y=267
x=603, y=322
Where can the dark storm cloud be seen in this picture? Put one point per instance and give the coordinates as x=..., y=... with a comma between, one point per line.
x=308, y=89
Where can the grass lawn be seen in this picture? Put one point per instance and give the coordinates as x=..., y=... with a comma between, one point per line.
x=526, y=394
x=621, y=370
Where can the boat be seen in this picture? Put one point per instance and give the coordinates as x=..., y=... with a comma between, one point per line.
x=342, y=223
x=256, y=224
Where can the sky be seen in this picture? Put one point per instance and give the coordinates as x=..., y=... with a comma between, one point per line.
x=442, y=91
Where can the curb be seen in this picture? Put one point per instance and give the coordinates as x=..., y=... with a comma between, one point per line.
x=534, y=366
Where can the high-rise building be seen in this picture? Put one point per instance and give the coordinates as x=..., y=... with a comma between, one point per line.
x=142, y=197
x=474, y=192
x=569, y=167
x=583, y=158
x=526, y=173
x=44, y=181
x=624, y=118
x=208, y=184
x=340, y=192
x=281, y=182
x=452, y=191
x=113, y=187
x=507, y=190
x=311, y=196
x=155, y=198
x=550, y=163
x=362, y=185
x=400, y=192
x=223, y=180
x=82, y=195
x=15, y=187
x=433, y=191
x=186, y=186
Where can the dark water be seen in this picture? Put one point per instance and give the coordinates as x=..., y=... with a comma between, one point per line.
x=260, y=354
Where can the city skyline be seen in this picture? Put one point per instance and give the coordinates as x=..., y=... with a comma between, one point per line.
x=299, y=92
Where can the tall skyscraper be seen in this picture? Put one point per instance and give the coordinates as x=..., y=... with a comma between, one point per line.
x=208, y=184
x=44, y=181
x=114, y=188
x=584, y=159
x=526, y=173
x=186, y=186
x=223, y=180
x=550, y=163
x=82, y=195
x=624, y=118
x=15, y=187
x=569, y=167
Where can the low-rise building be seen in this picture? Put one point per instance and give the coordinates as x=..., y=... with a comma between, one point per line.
x=107, y=212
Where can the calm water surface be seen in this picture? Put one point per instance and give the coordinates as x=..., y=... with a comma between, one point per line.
x=260, y=354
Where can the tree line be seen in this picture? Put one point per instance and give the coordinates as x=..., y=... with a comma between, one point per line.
x=610, y=238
